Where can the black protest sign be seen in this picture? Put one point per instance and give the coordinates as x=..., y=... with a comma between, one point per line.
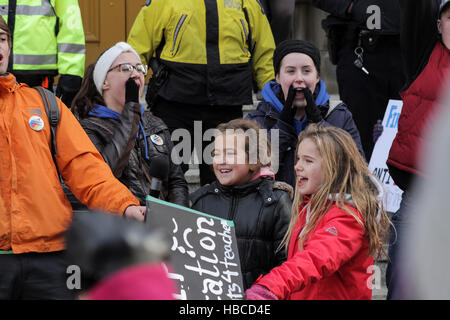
x=203, y=256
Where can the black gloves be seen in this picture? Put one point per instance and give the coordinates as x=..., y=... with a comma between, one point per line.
x=313, y=114
x=131, y=91
x=68, y=86
x=377, y=130
x=288, y=113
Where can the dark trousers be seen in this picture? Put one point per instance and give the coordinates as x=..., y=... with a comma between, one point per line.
x=182, y=116
x=36, y=80
x=281, y=18
x=367, y=96
x=394, y=278
x=34, y=276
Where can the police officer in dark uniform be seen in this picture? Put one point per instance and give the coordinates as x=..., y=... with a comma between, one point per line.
x=364, y=43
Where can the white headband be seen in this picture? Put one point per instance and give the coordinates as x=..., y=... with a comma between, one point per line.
x=105, y=61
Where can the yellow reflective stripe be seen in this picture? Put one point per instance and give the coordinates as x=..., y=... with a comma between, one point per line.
x=35, y=59
x=71, y=48
x=42, y=10
x=35, y=11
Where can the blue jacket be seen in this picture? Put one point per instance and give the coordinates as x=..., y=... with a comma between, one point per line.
x=267, y=115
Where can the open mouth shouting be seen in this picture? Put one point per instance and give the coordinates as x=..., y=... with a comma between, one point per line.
x=302, y=181
x=299, y=93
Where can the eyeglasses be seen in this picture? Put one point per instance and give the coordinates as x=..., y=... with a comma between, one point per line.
x=126, y=67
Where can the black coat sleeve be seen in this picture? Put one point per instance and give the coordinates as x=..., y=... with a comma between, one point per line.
x=176, y=184
x=116, y=151
x=418, y=35
x=282, y=214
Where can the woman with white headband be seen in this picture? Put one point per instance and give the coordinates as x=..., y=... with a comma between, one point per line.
x=131, y=140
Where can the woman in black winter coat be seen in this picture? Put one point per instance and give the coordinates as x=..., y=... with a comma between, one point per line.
x=296, y=98
x=128, y=137
x=246, y=193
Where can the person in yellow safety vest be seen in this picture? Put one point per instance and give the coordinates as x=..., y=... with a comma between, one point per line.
x=48, y=39
x=212, y=51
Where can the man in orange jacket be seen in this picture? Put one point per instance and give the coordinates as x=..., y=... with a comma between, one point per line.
x=34, y=211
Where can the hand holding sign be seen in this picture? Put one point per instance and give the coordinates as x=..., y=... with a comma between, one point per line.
x=135, y=212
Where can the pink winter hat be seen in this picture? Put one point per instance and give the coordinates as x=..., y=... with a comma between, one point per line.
x=139, y=282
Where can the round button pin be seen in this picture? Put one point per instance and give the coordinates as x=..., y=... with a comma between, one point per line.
x=36, y=123
x=157, y=139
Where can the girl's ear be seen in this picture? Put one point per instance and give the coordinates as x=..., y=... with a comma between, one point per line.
x=277, y=78
x=317, y=82
x=439, y=26
x=253, y=168
x=106, y=85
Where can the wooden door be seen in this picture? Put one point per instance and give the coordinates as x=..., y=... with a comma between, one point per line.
x=106, y=22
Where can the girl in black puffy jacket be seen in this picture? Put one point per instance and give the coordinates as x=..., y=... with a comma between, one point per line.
x=245, y=192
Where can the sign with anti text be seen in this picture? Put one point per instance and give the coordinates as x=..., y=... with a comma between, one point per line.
x=204, y=258
x=380, y=154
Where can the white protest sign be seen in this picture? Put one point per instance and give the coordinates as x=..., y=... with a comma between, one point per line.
x=380, y=154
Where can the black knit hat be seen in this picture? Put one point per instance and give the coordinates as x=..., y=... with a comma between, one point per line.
x=300, y=46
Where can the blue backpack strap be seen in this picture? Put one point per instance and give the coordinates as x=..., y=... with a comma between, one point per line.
x=52, y=110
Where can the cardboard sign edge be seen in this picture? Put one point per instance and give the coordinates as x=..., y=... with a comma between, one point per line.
x=174, y=205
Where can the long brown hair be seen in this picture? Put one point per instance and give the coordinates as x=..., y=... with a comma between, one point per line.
x=345, y=173
x=87, y=96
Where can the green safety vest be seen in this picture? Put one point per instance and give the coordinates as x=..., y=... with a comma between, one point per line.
x=47, y=36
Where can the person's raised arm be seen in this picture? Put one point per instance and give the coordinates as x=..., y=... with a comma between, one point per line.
x=85, y=172
x=116, y=152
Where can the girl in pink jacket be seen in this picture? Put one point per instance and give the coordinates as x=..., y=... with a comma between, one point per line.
x=337, y=224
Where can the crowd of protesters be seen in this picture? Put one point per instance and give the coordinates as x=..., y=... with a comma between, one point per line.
x=307, y=229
